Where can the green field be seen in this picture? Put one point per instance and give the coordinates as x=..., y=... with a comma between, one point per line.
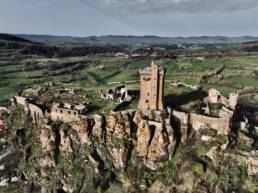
x=238, y=71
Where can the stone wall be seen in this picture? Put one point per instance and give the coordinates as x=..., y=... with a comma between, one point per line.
x=181, y=116
x=221, y=125
x=197, y=122
x=21, y=100
x=216, y=97
x=233, y=100
x=36, y=113
x=179, y=83
x=65, y=115
x=56, y=114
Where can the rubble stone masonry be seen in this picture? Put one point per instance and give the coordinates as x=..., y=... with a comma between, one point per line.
x=151, y=88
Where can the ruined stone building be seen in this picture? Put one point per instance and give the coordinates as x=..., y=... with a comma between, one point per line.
x=199, y=122
x=110, y=95
x=151, y=88
x=218, y=117
x=216, y=97
x=67, y=112
x=120, y=94
x=64, y=112
x=35, y=111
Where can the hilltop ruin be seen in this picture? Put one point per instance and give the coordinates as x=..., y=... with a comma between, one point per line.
x=151, y=99
x=152, y=88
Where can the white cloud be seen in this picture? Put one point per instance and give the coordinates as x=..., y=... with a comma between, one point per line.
x=190, y=6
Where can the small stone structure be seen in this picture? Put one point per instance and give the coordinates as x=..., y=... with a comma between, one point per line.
x=122, y=55
x=36, y=90
x=21, y=100
x=233, y=100
x=67, y=112
x=110, y=95
x=36, y=113
x=179, y=83
x=69, y=90
x=120, y=93
x=151, y=88
x=216, y=97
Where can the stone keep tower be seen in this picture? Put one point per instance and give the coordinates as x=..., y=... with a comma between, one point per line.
x=151, y=88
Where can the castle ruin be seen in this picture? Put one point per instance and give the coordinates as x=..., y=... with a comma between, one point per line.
x=151, y=101
x=216, y=97
x=67, y=112
x=151, y=88
x=63, y=112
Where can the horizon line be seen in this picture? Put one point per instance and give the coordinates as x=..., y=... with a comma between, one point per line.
x=132, y=35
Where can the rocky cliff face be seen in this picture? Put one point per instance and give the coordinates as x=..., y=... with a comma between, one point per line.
x=129, y=151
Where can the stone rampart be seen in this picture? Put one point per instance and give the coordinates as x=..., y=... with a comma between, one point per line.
x=65, y=115
x=36, y=113
x=21, y=100
x=221, y=125
x=181, y=116
x=197, y=122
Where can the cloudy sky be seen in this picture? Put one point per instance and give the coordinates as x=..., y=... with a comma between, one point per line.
x=130, y=17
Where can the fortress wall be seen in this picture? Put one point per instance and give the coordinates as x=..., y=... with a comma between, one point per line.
x=154, y=115
x=156, y=124
x=221, y=125
x=181, y=116
x=21, y=100
x=36, y=113
x=224, y=101
x=65, y=115
x=198, y=122
x=56, y=114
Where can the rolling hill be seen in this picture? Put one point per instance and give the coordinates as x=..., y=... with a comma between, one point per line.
x=146, y=40
x=13, y=38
